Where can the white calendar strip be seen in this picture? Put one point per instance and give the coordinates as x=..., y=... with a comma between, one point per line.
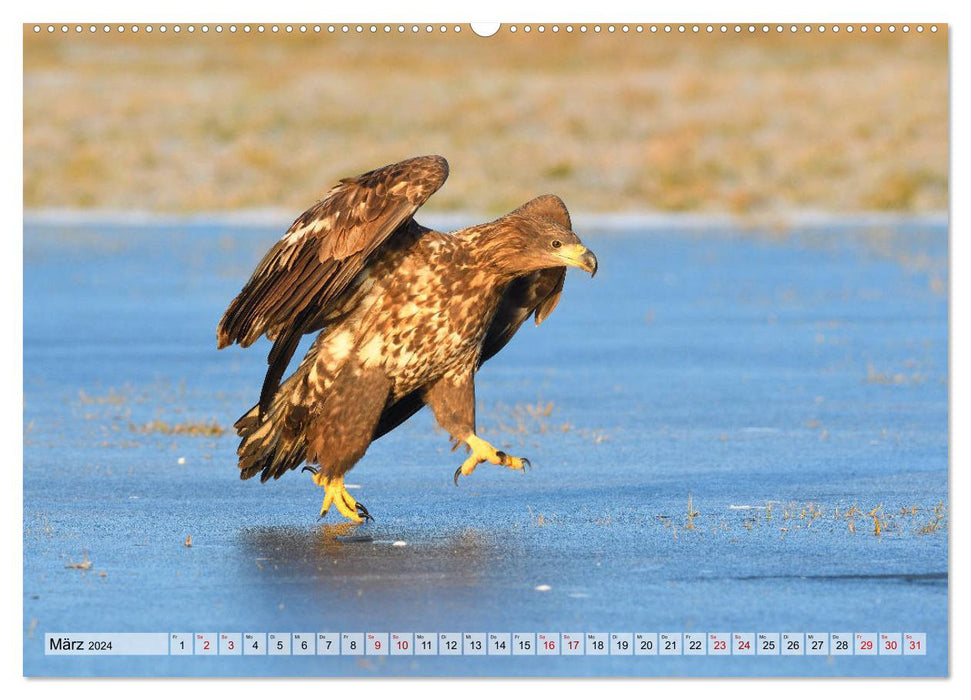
x=488, y=644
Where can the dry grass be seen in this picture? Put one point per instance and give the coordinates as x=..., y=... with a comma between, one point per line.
x=691, y=515
x=874, y=376
x=522, y=419
x=190, y=427
x=740, y=123
x=112, y=398
x=84, y=564
x=795, y=517
x=940, y=513
x=542, y=519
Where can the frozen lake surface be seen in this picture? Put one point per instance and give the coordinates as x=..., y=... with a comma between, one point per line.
x=788, y=389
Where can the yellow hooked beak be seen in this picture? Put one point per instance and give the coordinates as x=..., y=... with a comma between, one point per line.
x=576, y=255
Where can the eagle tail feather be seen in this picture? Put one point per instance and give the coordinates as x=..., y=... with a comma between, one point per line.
x=272, y=443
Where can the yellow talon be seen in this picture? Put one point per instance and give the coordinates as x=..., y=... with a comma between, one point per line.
x=341, y=504
x=328, y=499
x=482, y=451
x=335, y=494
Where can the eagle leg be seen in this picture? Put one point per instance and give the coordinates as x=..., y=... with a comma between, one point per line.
x=336, y=494
x=482, y=451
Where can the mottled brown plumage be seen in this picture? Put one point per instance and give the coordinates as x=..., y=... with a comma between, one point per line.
x=406, y=316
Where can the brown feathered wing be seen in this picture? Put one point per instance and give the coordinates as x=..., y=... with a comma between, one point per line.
x=304, y=275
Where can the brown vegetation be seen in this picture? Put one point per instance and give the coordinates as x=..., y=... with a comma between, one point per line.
x=188, y=427
x=744, y=123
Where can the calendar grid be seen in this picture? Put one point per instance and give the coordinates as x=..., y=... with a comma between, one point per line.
x=487, y=644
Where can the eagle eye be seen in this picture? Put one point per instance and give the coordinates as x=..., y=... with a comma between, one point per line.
x=556, y=244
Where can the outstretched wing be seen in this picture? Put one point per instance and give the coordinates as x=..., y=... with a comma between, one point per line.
x=535, y=294
x=325, y=249
x=315, y=262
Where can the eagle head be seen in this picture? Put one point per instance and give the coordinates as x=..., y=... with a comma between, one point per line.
x=539, y=235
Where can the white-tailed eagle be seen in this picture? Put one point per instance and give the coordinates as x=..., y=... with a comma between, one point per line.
x=405, y=316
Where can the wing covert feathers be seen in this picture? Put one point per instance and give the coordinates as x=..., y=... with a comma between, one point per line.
x=326, y=248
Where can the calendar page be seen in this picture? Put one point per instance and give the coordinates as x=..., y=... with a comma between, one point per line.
x=514, y=349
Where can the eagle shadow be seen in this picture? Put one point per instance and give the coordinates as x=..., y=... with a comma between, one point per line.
x=336, y=558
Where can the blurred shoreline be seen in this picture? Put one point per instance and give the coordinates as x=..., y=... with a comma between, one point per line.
x=448, y=221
